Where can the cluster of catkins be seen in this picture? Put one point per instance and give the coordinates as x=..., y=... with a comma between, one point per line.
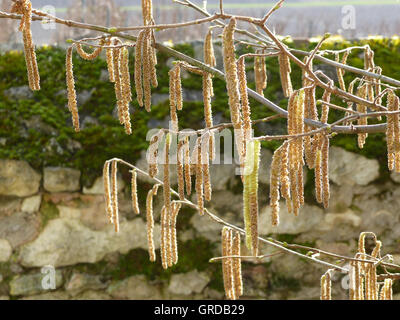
x=231, y=265
x=363, y=284
x=117, y=56
x=118, y=67
x=24, y=7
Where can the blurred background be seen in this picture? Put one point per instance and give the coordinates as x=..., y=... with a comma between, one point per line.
x=300, y=18
x=55, y=241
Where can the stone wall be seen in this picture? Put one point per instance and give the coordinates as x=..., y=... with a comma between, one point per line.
x=47, y=218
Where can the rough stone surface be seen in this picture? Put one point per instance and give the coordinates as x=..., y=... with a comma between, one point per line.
x=188, y=283
x=80, y=282
x=5, y=250
x=32, y=283
x=350, y=168
x=18, y=93
x=57, y=295
x=67, y=241
x=17, y=178
x=19, y=228
x=31, y=204
x=309, y=217
x=135, y=288
x=58, y=179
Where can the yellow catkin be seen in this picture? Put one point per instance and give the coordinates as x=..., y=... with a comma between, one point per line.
x=206, y=167
x=135, y=203
x=326, y=97
x=153, y=153
x=310, y=112
x=260, y=73
x=88, y=56
x=147, y=70
x=325, y=171
x=227, y=273
x=275, y=173
x=117, y=80
x=209, y=56
x=237, y=266
x=179, y=169
x=393, y=132
x=296, y=148
x=186, y=158
x=107, y=190
x=232, y=83
x=172, y=99
x=339, y=71
x=250, y=194
x=114, y=194
x=125, y=90
x=24, y=7
x=166, y=181
x=326, y=285
x=153, y=61
x=72, y=103
x=178, y=88
x=199, y=177
x=247, y=127
x=386, y=291
x=150, y=221
x=109, y=59
x=284, y=175
x=285, y=70
x=138, y=67
x=163, y=241
x=318, y=175
x=362, y=93
x=174, y=241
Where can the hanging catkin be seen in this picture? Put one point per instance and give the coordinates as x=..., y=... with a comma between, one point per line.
x=260, y=73
x=326, y=285
x=114, y=194
x=209, y=57
x=275, y=174
x=24, y=7
x=138, y=67
x=244, y=99
x=206, y=166
x=393, y=132
x=296, y=148
x=186, y=158
x=179, y=169
x=110, y=59
x=232, y=83
x=174, y=243
x=285, y=70
x=107, y=191
x=339, y=71
x=135, y=203
x=88, y=56
x=237, y=266
x=166, y=182
x=147, y=69
x=72, y=103
x=163, y=241
x=199, y=177
x=386, y=291
x=117, y=81
x=227, y=273
x=325, y=170
x=150, y=221
x=362, y=93
x=178, y=88
x=172, y=99
x=125, y=90
x=250, y=197
x=153, y=153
